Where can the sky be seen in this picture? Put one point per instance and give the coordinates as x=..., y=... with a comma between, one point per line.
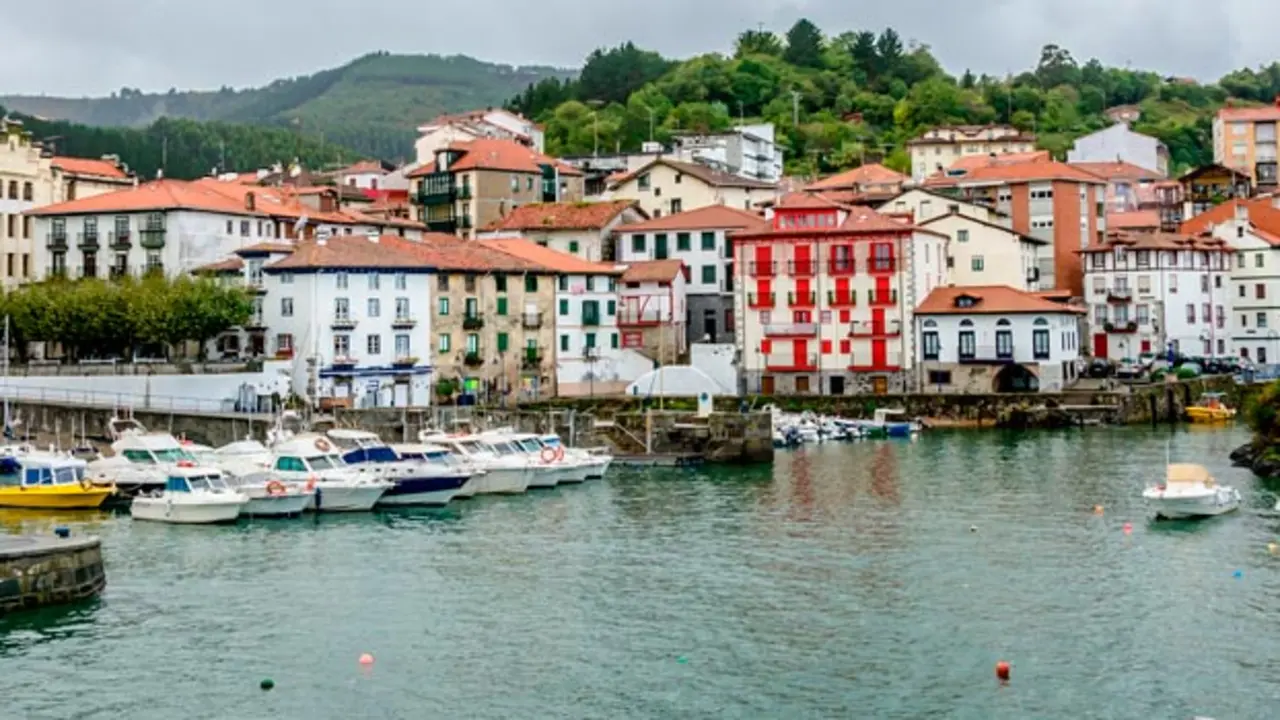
x=92, y=47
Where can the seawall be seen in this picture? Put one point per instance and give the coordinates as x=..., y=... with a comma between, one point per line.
x=38, y=571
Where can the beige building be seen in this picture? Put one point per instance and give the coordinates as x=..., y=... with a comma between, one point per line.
x=667, y=187
x=922, y=205
x=474, y=184
x=938, y=149
x=984, y=253
x=586, y=230
x=446, y=130
x=1244, y=139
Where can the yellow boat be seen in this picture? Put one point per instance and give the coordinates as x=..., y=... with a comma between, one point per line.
x=42, y=481
x=1211, y=409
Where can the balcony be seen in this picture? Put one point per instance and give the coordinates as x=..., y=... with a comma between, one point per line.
x=120, y=240
x=152, y=238
x=473, y=322
x=473, y=359
x=802, y=268
x=343, y=322
x=436, y=189
x=532, y=360
x=531, y=321
x=795, y=330
x=802, y=300
x=1125, y=328
x=883, y=299
x=867, y=329
x=464, y=192
x=790, y=363
x=256, y=283
x=1119, y=295
x=255, y=322
x=837, y=299
x=345, y=361
x=841, y=267
x=403, y=322
x=88, y=241
x=405, y=361
x=762, y=269
x=57, y=241
x=760, y=301
x=464, y=222
x=986, y=355
x=591, y=319
x=882, y=265
x=639, y=318
x=448, y=227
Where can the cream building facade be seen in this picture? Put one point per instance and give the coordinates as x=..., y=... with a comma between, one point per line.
x=666, y=187
x=982, y=253
x=939, y=148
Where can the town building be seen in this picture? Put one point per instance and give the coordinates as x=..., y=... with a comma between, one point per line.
x=870, y=183
x=473, y=184
x=748, y=151
x=920, y=205
x=366, y=175
x=350, y=312
x=1124, y=182
x=245, y=269
x=1119, y=144
x=585, y=229
x=1211, y=185
x=700, y=239
x=1123, y=113
x=652, y=310
x=985, y=253
x=937, y=149
x=994, y=338
x=1047, y=200
x=1244, y=139
x=1134, y=221
x=1149, y=292
x=669, y=187
x=824, y=298
x=490, y=123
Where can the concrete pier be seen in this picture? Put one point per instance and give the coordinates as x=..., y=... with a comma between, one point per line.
x=39, y=571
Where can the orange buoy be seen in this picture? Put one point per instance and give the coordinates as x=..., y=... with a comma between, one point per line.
x=1128, y=528
x=1002, y=671
x=366, y=659
x=1097, y=509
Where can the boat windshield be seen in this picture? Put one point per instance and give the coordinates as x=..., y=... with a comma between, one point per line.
x=216, y=482
x=473, y=446
x=173, y=455
x=503, y=448
x=324, y=462
x=206, y=482
x=529, y=445
x=550, y=441
x=67, y=475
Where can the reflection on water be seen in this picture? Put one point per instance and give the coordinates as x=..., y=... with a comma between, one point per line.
x=844, y=581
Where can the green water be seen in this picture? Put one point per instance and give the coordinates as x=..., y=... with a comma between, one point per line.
x=842, y=582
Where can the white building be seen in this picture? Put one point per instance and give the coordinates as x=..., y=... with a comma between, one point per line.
x=749, y=151
x=367, y=175
x=983, y=253
x=1120, y=144
x=994, y=338
x=589, y=357
x=653, y=308
x=937, y=149
x=1148, y=292
x=667, y=187
x=923, y=205
x=583, y=229
x=351, y=312
x=446, y=130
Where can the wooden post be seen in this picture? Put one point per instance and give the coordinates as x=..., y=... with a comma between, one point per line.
x=648, y=432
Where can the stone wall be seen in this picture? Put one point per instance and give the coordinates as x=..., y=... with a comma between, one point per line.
x=38, y=572
x=66, y=423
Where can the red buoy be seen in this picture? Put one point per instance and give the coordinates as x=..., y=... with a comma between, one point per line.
x=1002, y=671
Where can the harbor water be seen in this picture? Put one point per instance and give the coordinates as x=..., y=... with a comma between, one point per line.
x=879, y=579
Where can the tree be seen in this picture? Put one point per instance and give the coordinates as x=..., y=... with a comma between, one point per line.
x=757, y=42
x=1056, y=67
x=804, y=45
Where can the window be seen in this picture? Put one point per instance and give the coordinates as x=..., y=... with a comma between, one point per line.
x=341, y=346
x=1143, y=314
x=531, y=283
x=341, y=280
x=1099, y=286
x=1191, y=314
x=402, y=307
x=374, y=343
x=939, y=377
x=374, y=281
x=968, y=346
x=1241, y=290
x=1004, y=342
x=573, y=247
x=1040, y=339
x=611, y=308
x=683, y=242
x=284, y=343
x=930, y=342
x=244, y=228
x=962, y=236
x=28, y=191
x=1206, y=312
x=442, y=343
x=1144, y=283
x=637, y=243
x=563, y=282
x=502, y=306
x=444, y=306
x=402, y=346
x=591, y=283
x=613, y=340
x=1262, y=356
x=1262, y=320
x=231, y=227
x=473, y=343
x=1098, y=260
x=286, y=278
x=341, y=309
x=26, y=227
x=1260, y=291
x=709, y=274
x=589, y=340
x=500, y=282
x=503, y=342
x=469, y=283
x=564, y=343
x=374, y=306
x=564, y=307
x=708, y=241
x=643, y=182
x=1258, y=260
x=1240, y=257
x=286, y=307
x=1217, y=281
x=442, y=282
x=976, y=263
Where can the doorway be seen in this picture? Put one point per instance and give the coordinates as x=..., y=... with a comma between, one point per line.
x=766, y=385
x=837, y=385
x=880, y=385
x=802, y=384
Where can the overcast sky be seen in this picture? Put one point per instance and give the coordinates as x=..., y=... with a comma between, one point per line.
x=91, y=47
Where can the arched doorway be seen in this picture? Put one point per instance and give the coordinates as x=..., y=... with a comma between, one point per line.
x=1014, y=378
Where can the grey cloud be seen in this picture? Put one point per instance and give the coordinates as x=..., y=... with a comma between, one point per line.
x=90, y=47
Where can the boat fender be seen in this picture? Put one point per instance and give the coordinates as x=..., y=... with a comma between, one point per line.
x=85, y=484
x=311, y=484
x=275, y=487
x=548, y=455
x=559, y=452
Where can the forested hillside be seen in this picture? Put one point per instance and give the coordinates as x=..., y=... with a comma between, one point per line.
x=838, y=100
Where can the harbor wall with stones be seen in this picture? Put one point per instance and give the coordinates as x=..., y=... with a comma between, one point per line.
x=39, y=572
x=67, y=422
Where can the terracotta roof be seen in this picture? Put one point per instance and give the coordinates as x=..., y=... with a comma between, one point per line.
x=1016, y=173
x=86, y=166
x=563, y=216
x=704, y=218
x=859, y=218
x=1133, y=220
x=653, y=271
x=229, y=265
x=1250, y=114
x=973, y=162
x=970, y=218
x=355, y=252
x=498, y=154
x=1264, y=218
x=153, y=196
x=1210, y=168
x=875, y=174
x=361, y=168
x=1117, y=171
x=989, y=300
x=808, y=200
x=266, y=248
x=709, y=176
x=1158, y=241
x=546, y=258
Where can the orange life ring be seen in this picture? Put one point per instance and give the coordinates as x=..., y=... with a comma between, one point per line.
x=547, y=459
x=559, y=452
x=275, y=487
x=186, y=463
x=322, y=445
x=311, y=484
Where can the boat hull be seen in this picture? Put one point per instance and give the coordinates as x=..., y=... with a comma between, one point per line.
x=287, y=505
x=329, y=498
x=543, y=477
x=502, y=481
x=54, y=497
x=1187, y=507
x=597, y=468
x=424, y=491
x=1210, y=416
x=181, y=513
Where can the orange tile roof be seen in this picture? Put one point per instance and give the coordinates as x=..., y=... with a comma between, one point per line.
x=859, y=219
x=356, y=252
x=563, y=216
x=1117, y=170
x=989, y=300
x=715, y=178
x=1158, y=240
x=1133, y=220
x=229, y=265
x=703, y=218
x=808, y=200
x=874, y=174
x=1016, y=173
x=546, y=258
x=1264, y=113
x=1263, y=216
x=86, y=166
x=267, y=248
x=973, y=162
x=498, y=154
x=653, y=271
x=361, y=168
x=158, y=195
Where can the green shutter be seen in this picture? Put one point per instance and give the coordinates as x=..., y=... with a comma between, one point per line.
x=564, y=283
x=708, y=241
x=531, y=283
x=637, y=243
x=613, y=308
x=613, y=340
x=502, y=306
x=590, y=312
x=682, y=242
x=564, y=307
x=591, y=340
x=709, y=274
x=564, y=343
x=573, y=247
x=501, y=282
x=444, y=306
x=502, y=342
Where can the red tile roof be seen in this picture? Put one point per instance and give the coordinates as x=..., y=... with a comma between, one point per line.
x=808, y=200
x=875, y=174
x=1133, y=220
x=546, y=258
x=1263, y=216
x=363, y=167
x=989, y=300
x=1266, y=113
x=653, y=271
x=1157, y=241
x=859, y=219
x=153, y=196
x=498, y=154
x=563, y=216
x=973, y=162
x=1117, y=171
x=704, y=218
x=266, y=248
x=1025, y=172
x=229, y=265
x=357, y=252
x=86, y=166
x=711, y=177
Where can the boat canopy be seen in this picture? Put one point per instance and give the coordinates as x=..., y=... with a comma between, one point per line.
x=1187, y=473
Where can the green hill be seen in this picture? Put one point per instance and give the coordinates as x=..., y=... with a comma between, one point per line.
x=370, y=105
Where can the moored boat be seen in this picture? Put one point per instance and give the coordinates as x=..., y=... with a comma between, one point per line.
x=48, y=481
x=1189, y=491
x=415, y=482
x=1211, y=409
x=596, y=460
x=192, y=495
x=503, y=474
x=311, y=459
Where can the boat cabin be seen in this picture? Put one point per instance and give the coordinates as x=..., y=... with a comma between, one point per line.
x=308, y=454
x=33, y=470
x=464, y=445
x=526, y=443
x=152, y=449
x=361, y=446
x=433, y=454
x=191, y=478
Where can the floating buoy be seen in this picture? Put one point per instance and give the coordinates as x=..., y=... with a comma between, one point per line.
x=1238, y=574
x=267, y=684
x=1002, y=671
x=366, y=659
x=973, y=528
x=1097, y=509
x=1128, y=528
x=1273, y=548
x=682, y=659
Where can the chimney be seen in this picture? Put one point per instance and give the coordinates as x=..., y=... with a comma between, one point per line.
x=250, y=202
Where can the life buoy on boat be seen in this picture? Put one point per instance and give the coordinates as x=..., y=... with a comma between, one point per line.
x=322, y=445
x=559, y=452
x=186, y=463
x=275, y=487
x=311, y=484
x=548, y=455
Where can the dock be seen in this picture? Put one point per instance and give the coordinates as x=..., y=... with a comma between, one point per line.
x=677, y=460
x=44, y=570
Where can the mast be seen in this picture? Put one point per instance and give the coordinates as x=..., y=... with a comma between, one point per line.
x=6, y=373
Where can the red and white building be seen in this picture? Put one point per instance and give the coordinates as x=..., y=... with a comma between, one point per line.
x=825, y=298
x=652, y=306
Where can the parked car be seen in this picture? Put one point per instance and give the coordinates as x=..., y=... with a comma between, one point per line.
x=1099, y=369
x=1129, y=369
x=1147, y=360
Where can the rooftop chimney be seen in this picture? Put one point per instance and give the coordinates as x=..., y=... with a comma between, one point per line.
x=250, y=201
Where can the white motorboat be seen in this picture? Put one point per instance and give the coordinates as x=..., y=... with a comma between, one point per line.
x=192, y=495
x=1189, y=491
x=311, y=459
x=542, y=474
x=434, y=454
x=140, y=461
x=506, y=473
x=597, y=460
x=429, y=484
x=554, y=461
